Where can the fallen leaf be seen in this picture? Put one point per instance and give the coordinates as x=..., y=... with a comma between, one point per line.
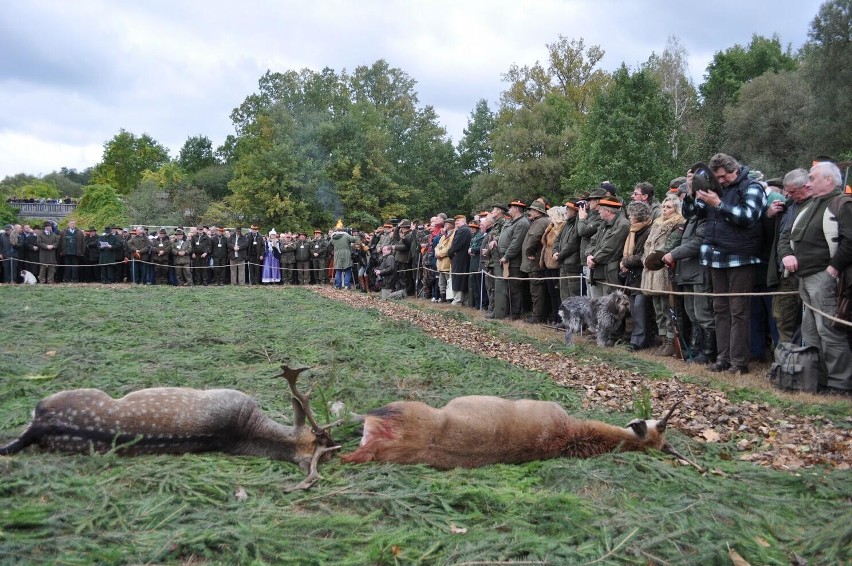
x=241, y=494
x=762, y=542
x=736, y=559
x=457, y=530
x=50, y=353
x=710, y=435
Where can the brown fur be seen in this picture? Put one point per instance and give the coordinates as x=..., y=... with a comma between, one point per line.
x=479, y=430
x=166, y=420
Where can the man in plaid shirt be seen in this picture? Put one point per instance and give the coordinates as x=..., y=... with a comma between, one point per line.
x=733, y=205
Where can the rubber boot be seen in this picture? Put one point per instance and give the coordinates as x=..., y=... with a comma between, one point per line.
x=696, y=346
x=709, y=348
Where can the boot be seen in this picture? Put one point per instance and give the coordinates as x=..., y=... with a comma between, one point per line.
x=709, y=348
x=443, y=298
x=695, y=347
x=365, y=284
x=667, y=349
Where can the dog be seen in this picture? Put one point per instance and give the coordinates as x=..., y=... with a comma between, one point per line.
x=603, y=314
x=29, y=278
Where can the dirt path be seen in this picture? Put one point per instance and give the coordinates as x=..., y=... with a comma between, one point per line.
x=763, y=434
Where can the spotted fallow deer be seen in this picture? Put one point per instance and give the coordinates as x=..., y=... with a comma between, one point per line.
x=479, y=430
x=178, y=420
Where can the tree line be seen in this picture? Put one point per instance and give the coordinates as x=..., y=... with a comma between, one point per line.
x=311, y=147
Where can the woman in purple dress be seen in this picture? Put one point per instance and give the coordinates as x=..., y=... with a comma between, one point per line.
x=271, y=259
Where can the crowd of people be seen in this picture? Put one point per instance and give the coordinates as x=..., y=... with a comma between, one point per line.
x=723, y=264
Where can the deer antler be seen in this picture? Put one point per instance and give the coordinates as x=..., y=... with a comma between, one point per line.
x=303, y=399
x=313, y=476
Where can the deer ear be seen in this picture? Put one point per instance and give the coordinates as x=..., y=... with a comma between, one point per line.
x=639, y=427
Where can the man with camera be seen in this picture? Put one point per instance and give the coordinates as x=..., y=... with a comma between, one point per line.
x=733, y=205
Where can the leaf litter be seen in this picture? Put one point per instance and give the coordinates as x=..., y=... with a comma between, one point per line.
x=759, y=432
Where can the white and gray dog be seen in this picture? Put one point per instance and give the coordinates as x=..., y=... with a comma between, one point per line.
x=603, y=314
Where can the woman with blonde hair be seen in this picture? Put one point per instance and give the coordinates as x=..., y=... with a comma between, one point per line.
x=548, y=263
x=666, y=233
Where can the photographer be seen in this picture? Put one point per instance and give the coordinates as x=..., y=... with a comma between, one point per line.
x=732, y=204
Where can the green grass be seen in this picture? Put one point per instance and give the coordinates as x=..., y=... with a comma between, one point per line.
x=614, y=509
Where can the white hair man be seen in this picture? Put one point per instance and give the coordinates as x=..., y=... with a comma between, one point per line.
x=821, y=244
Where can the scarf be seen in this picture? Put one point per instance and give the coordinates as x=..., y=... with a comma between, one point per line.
x=630, y=242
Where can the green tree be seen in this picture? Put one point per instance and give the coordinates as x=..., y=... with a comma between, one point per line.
x=538, y=122
x=214, y=181
x=82, y=178
x=100, y=206
x=64, y=185
x=827, y=68
x=265, y=173
x=196, y=154
x=126, y=157
x=626, y=136
x=8, y=213
x=38, y=189
x=769, y=124
x=475, y=148
x=10, y=184
x=727, y=73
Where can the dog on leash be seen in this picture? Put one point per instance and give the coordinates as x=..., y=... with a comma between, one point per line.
x=29, y=278
x=603, y=314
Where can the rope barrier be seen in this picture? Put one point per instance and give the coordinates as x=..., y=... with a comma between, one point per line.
x=486, y=274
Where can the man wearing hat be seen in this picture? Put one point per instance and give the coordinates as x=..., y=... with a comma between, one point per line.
x=319, y=258
x=138, y=251
x=72, y=246
x=603, y=256
x=531, y=265
x=182, y=252
x=237, y=249
x=303, y=259
x=200, y=256
x=48, y=244
x=509, y=293
x=108, y=245
x=588, y=225
x=474, y=280
x=491, y=267
x=91, y=256
x=28, y=249
x=161, y=248
x=567, y=253
x=402, y=240
x=254, y=254
x=219, y=253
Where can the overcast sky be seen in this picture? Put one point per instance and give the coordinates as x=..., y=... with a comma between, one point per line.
x=72, y=73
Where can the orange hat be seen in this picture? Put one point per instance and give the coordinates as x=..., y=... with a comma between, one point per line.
x=519, y=203
x=484, y=213
x=610, y=203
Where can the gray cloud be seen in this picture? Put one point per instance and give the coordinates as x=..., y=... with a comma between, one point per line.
x=73, y=73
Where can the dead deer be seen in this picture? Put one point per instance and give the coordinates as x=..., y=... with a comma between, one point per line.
x=475, y=431
x=178, y=420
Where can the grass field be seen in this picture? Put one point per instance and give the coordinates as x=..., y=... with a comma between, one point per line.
x=614, y=509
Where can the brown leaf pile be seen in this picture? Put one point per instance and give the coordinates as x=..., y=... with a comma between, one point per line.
x=763, y=434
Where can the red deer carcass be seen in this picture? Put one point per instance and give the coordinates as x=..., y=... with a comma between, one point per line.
x=479, y=430
x=177, y=420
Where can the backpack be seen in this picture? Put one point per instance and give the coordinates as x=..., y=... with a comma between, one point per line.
x=796, y=368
